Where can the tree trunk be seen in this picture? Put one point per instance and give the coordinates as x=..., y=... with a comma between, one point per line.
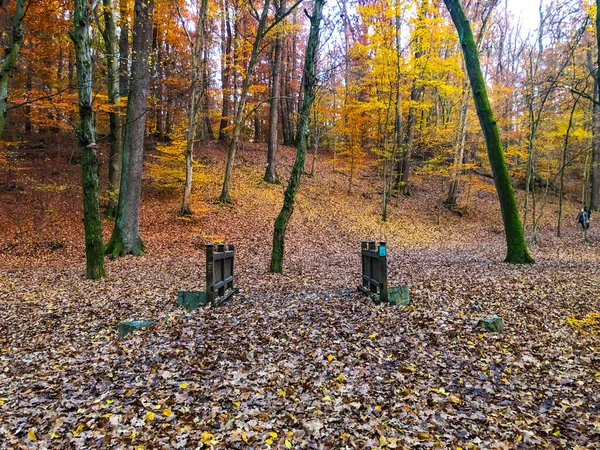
x=195, y=100
x=271, y=172
x=310, y=80
x=94, y=250
x=109, y=33
x=123, y=49
x=563, y=166
x=125, y=237
x=595, y=194
x=517, y=252
x=239, y=112
x=12, y=52
x=226, y=49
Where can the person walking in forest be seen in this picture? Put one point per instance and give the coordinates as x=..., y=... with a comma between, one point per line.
x=583, y=219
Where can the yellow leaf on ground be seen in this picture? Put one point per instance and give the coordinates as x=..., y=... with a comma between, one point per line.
x=167, y=412
x=273, y=434
x=288, y=444
x=183, y=385
x=77, y=430
x=269, y=441
x=149, y=415
x=329, y=357
x=31, y=435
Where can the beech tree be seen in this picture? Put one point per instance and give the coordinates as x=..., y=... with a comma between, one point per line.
x=94, y=251
x=310, y=82
x=517, y=252
x=125, y=237
x=10, y=57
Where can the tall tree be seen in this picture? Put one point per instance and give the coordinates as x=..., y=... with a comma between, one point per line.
x=111, y=46
x=517, y=252
x=226, y=63
x=94, y=251
x=595, y=175
x=271, y=172
x=195, y=103
x=125, y=237
x=310, y=82
x=10, y=57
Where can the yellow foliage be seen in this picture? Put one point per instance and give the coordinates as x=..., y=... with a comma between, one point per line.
x=589, y=324
x=167, y=170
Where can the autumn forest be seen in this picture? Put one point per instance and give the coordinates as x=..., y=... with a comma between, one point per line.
x=191, y=192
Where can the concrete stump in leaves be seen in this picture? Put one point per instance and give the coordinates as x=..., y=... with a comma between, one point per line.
x=191, y=300
x=130, y=326
x=495, y=324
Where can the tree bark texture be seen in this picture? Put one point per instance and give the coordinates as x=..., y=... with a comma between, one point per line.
x=125, y=237
x=94, y=250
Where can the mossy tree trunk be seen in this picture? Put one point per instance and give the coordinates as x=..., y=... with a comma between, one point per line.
x=111, y=45
x=12, y=52
x=310, y=81
x=517, y=252
x=94, y=251
x=125, y=237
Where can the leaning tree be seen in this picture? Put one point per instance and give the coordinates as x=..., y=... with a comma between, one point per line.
x=517, y=252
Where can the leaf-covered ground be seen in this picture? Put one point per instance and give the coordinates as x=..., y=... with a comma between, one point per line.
x=298, y=360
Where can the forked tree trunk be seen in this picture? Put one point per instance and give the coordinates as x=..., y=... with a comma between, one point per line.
x=310, y=81
x=239, y=111
x=125, y=237
x=111, y=45
x=94, y=250
x=12, y=52
x=271, y=172
x=517, y=252
x=195, y=104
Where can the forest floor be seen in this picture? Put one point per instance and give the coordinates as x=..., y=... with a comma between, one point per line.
x=298, y=360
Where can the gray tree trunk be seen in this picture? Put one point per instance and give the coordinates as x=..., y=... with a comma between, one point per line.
x=123, y=49
x=125, y=237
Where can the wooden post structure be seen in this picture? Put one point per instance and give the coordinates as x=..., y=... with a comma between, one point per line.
x=210, y=274
x=374, y=269
x=383, y=282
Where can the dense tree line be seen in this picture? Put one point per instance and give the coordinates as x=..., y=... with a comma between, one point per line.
x=389, y=84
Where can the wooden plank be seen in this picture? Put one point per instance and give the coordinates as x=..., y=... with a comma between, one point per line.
x=222, y=283
x=223, y=255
